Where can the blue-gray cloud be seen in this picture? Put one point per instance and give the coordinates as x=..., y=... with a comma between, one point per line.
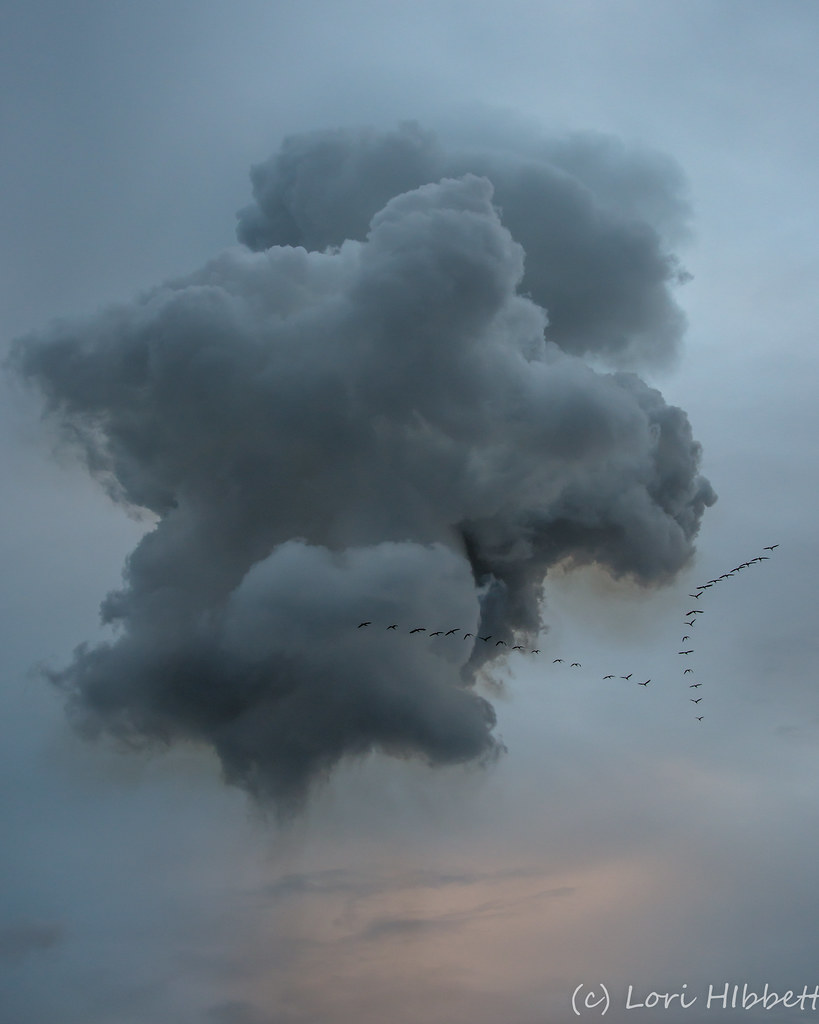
x=24, y=938
x=378, y=431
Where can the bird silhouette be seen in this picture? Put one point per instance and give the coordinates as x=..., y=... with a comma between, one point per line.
x=763, y=558
x=438, y=632
x=700, y=717
x=364, y=624
x=691, y=623
x=575, y=664
x=695, y=595
x=499, y=642
x=645, y=683
x=518, y=647
x=608, y=677
x=686, y=637
x=393, y=626
x=688, y=670
x=685, y=652
x=468, y=635
x=770, y=547
x=556, y=661
x=485, y=638
x=419, y=629
x=536, y=651
x=695, y=701
x=693, y=686
x=449, y=632
x=628, y=676
x=695, y=611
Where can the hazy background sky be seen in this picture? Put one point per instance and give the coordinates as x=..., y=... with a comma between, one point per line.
x=618, y=841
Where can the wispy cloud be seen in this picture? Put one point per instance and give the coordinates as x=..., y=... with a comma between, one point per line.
x=28, y=938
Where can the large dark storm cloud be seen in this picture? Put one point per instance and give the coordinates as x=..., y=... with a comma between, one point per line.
x=370, y=420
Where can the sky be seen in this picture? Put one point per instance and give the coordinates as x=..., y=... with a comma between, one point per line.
x=497, y=318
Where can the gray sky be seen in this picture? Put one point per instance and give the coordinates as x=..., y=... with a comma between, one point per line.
x=617, y=840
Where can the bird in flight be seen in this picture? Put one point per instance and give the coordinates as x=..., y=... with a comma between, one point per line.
x=468, y=635
x=608, y=677
x=688, y=670
x=364, y=624
x=645, y=683
x=695, y=611
x=700, y=717
x=685, y=652
x=438, y=632
x=691, y=623
x=575, y=664
x=695, y=595
x=518, y=647
x=770, y=547
x=419, y=629
x=686, y=637
x=628, y=676
x=536, y=651
x=695, y=700
x=499, y=642
x=693, y=686
x=485, y=638
x=449, y=632
x=556, y=661
x=763, y=558
x=393, y=626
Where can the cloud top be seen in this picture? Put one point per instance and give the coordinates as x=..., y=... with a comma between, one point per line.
x=594, y=217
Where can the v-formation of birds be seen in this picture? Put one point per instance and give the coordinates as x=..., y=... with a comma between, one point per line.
x=690, y=620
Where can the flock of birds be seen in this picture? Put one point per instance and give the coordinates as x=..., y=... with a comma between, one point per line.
x=689, y=618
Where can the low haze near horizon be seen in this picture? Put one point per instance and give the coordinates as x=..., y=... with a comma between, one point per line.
x=617, y=840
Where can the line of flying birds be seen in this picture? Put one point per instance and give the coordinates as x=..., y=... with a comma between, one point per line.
x=689, y=618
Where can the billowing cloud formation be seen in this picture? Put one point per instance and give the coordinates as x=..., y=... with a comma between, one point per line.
x=592, y=216
x=378, y=431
